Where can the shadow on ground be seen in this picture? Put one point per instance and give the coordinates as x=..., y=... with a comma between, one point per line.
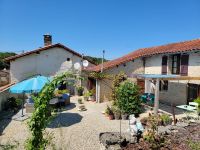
x=65, y=120
x=169, y=109
x=70, y=106
x=5, y=119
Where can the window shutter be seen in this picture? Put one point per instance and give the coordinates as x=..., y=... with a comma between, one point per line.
x=184, y=65
x=164, y=64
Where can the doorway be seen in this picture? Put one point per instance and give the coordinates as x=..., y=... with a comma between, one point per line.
x=141, y=84
x=193, y=92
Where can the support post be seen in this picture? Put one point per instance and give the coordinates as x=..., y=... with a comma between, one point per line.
x=156, y=100
x=23, y=106
x=97, y=91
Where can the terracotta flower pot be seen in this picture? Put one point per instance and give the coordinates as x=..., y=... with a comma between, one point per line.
x=124, y=116
x=85, y=98
x=111, y=117
x=117, y=115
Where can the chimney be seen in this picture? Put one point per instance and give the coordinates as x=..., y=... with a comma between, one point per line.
x=47, y=39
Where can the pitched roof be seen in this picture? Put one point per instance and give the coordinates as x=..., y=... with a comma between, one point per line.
x=143, y=52
x=5, y=87
x=43, y=49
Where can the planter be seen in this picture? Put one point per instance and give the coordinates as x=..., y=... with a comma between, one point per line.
x=80, y=101
x=91, y=98
x=117, y=115
x=85, y=98
x=124, y=116
x=80, y=93
x=111, y=117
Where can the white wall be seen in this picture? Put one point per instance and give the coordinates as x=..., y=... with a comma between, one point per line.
x=47, y=63
x=177, y=90
x=153, y=64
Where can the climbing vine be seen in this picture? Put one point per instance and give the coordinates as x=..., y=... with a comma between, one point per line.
x=99, y=75
x=42, y=112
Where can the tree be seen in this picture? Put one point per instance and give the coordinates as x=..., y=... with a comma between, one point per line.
x=128, y=98
x=4, y=55
x=96, y=60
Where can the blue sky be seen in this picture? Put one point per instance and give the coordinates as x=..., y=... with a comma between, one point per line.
x=90, y=26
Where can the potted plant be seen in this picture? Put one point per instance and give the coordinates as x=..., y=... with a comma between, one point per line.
x=116, y=112
x=59, y=93
x=124, y=115
x=80, y=100
x=80, y=90
x=86, y=96
x=91, y=95
x=109, y=113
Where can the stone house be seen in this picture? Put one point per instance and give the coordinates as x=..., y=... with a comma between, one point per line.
x=181, y=58
x=49, y=60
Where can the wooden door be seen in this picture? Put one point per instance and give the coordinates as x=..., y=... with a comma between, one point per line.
x=141, y=84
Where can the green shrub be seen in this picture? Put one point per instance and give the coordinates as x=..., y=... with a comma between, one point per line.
x=92, y=92
x=80, y=90
x=128, y=98
x=194, y=145
x=197, y=100
x=19, y=102
x=166, y=119
x=87, y=94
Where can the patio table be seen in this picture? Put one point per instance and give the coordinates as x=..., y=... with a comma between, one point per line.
x=187, y=108
x=53, y=101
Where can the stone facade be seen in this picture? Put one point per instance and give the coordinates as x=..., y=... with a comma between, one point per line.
x=132, y=67
x=4, y=77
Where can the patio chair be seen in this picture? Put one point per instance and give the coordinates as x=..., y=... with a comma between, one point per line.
x=29, y=105
x=64, y=100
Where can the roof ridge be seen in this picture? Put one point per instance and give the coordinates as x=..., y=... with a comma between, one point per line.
x=45, y=48
x=141, y=52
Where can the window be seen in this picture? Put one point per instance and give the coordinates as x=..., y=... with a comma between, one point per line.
x=163, y=85
x=184, y=64
x=68, y=59
x=176, y=64
x=164, y=65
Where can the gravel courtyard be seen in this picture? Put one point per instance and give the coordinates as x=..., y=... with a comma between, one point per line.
x=71, y=129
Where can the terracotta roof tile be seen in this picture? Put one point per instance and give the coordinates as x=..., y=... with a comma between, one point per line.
x=5, y=87
x=169, y=48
